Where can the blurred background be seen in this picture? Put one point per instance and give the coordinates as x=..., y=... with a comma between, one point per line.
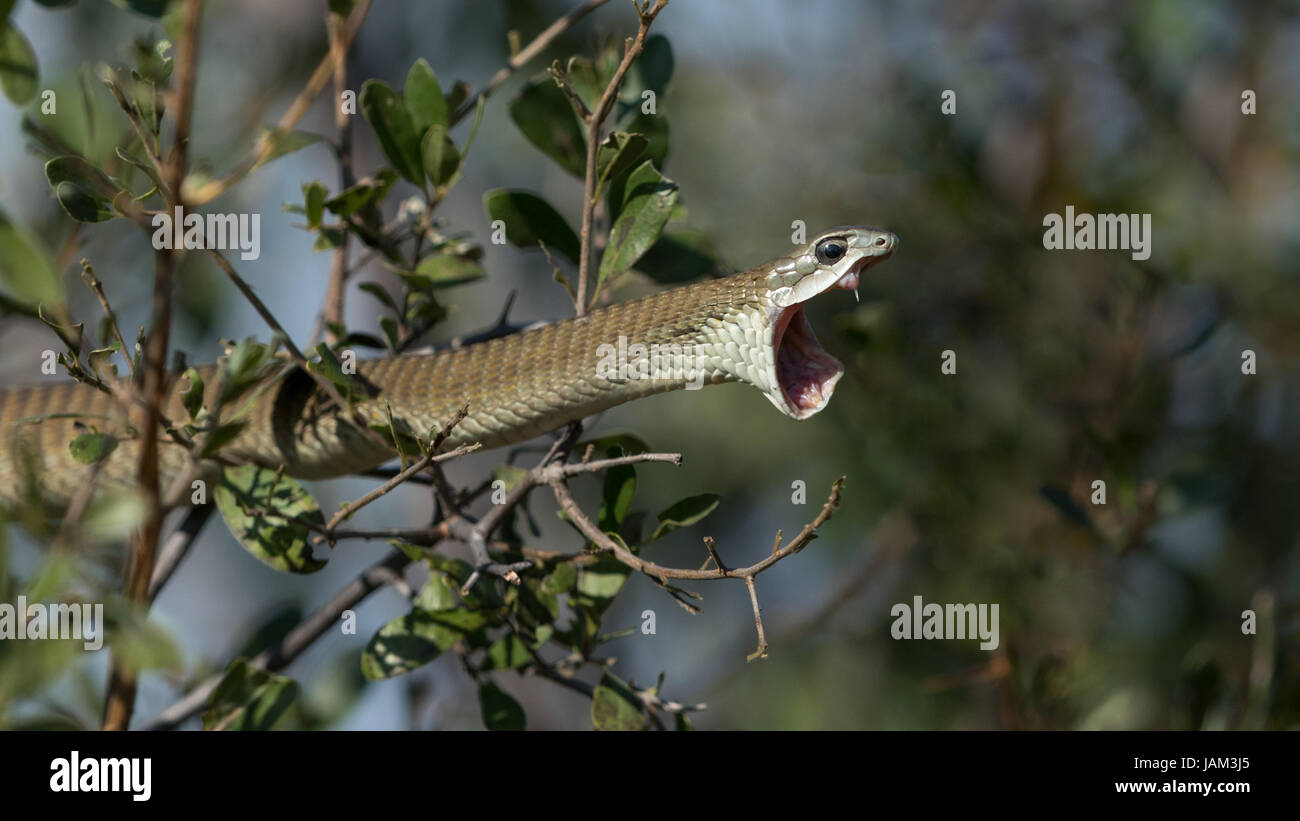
x=1072, y=366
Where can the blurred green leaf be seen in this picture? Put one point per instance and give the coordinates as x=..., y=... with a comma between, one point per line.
x=500, y=711
x=313, y=195
x=26, y=269
x=415, y=639
x=529, y=219
x=248, y=698
x=388, y=116
x=685, y=513
x=286, y=143
x=618, y=153
x=88, y=448
x=17, y=65
x=423, y=98
x=616, y=496
x=679, y=256
x=543, y=113
x=615, y=707
x=444, y=271
x=440, y=156
x=651, y=70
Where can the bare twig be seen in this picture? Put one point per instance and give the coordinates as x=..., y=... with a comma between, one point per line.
x=177, y=546
x=120, y=701
x=297, y=109
x=299, y=639
x=332, y=312
x=88, y=274
x=631, y=51
x=527, y=53
x=661, y=574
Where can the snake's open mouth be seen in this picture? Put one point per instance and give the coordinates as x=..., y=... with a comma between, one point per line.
x=805, y=373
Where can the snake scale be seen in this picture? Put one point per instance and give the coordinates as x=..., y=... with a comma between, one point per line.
x=749, y=327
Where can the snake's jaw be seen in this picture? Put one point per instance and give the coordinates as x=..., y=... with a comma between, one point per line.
x=803, y=374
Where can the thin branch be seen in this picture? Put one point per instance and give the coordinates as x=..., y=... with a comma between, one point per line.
x=661, y=574
x=120, y=700
x=527, y=53
x=88, y=274
x=332, y=311
x=276, y=658
x=177, y=546
x=297, y=109
x=630, y=53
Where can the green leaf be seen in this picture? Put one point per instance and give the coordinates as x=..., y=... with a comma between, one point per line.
x=616, y=496
x=331, y=368
x=615, y=707
x=249, y=497
x=244, y=367
x=248, y=698
x=82, y=205
x=529, y=219
x=600, y=581
x=440, y=156
x=88, y=448
x=444, y=271
x=651, y=70
x=313, y=195
x=378, y=292
x=81, y=173
x=391, y=121
x=438, y=593
x=543, y=113
x=25, y=268
x=647, y=205
x=221, y=436
x=561, y=579
x=83, y=190
x=17, y=65
x=500, y=711
x=685, y=513
x=458, y=94
x=679, y=256
x=618, y=153
x=286, y=143
x=415, y=639
x=423, y=98
x=351, y=200
x=587, y=79
x=508, y=653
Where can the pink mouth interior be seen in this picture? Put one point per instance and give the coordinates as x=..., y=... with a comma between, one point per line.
x=806, y=373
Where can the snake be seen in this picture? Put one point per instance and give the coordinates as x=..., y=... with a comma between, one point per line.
x=749, y=327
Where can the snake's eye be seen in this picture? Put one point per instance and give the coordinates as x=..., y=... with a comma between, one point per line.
x=829, y=251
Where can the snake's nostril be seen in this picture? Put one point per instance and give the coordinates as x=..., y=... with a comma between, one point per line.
x=881, y=241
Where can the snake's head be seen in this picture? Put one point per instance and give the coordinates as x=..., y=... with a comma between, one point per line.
x=802, y=376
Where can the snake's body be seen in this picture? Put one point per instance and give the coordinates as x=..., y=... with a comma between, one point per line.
x=516, y=387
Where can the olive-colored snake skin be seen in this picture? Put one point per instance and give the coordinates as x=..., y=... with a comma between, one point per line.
x=749, y=327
